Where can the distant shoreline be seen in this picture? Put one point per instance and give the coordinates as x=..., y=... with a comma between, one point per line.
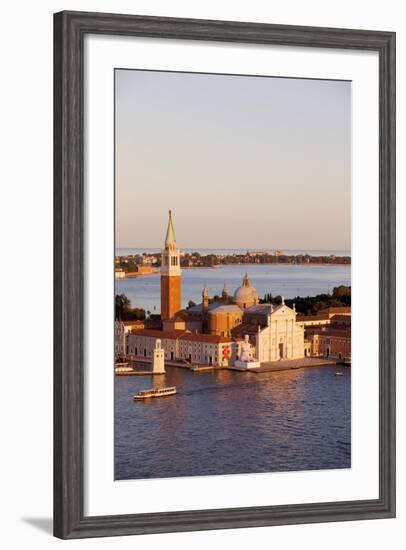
x=312, y=264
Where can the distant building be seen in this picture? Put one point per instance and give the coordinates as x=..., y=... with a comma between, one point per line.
x=253, y=253
x=119, y=273
x=146, y=270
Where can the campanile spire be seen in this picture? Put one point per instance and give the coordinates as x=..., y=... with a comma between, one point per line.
x=170, y=239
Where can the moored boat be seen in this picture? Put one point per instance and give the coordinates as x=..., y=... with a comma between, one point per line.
x=155, y=392
x=121, y=368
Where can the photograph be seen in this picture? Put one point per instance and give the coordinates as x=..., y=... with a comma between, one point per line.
x=232, y=269
x=203, y=194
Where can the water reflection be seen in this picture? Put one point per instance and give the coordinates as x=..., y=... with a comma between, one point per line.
x=231, y=422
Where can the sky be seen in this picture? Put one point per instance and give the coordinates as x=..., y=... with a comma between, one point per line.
x=242, y=161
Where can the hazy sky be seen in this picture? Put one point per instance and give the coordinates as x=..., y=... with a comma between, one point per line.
x=242, y=161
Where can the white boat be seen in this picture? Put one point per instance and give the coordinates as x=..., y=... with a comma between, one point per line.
x=155, y=392
x=121, y=368
x=339, y=374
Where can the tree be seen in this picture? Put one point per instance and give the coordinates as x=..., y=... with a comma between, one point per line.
x=311, y=305
x=125, y=312
x=122, y=305
x=155, y=317
x=191, y=303
x=343, y=293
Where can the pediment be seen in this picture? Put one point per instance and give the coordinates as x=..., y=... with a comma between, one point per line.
x=283, y=311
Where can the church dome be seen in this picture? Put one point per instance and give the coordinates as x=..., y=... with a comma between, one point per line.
x=246, y=295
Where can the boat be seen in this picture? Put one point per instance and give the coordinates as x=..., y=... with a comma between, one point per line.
x=339, y=374
x=155, y=392
x=122, y=368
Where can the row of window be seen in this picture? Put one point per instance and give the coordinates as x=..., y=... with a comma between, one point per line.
x=174, y=260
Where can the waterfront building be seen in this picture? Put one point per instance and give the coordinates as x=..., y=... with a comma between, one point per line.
x=332, y=340
x=119, y=340
x=141, y=343
x=184, y=346
x=119, y=273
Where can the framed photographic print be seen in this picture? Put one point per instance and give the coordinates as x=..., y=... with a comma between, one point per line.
x=224, y=274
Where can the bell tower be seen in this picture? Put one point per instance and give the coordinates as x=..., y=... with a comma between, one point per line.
x=170, y=275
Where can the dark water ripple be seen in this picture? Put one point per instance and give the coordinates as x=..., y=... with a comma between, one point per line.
x=230, y=422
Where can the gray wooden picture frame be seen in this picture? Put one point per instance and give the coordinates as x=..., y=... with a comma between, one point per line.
x=69, y=31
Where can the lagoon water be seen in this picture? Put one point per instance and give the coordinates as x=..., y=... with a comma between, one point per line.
x=286, y=280
x=227, y=422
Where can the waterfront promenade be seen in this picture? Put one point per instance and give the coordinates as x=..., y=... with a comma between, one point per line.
x=288, y=364
x=273, y=366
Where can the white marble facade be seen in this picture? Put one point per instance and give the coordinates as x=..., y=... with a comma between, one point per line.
x=282, y=338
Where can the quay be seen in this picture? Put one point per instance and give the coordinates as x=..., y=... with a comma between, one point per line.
x=288, y=364
x=271, y=366
x=139, y=373
x=203, y=368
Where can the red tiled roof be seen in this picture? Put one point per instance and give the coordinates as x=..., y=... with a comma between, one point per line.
x=244, y=329
x=343, y=318
x=173, y=334
x=184, y=335
x=301, y=318
x=330, y=310
x=209, y=338
x=344, y=333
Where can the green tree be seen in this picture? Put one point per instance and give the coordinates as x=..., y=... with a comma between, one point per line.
x=122, y=305
x=125, y=312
